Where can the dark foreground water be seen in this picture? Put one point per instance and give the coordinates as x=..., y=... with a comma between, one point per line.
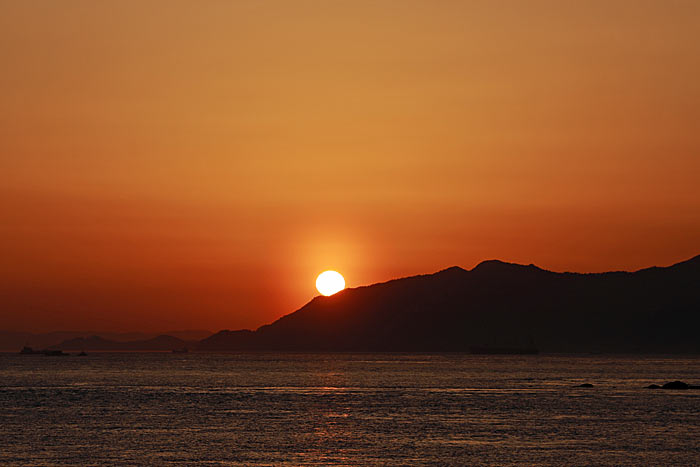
x=346, y=409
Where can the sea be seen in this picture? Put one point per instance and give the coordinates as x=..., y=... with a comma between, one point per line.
x=359, y=409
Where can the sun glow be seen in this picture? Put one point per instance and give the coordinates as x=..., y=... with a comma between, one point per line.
x=330, y=282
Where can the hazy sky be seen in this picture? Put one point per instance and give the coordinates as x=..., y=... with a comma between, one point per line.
x=195, y=164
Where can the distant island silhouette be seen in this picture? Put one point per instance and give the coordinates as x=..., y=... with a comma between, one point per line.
x=107, y=341
x=158, y=343
x=495, y=308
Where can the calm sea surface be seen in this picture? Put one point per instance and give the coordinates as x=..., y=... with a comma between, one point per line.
x=346, y=409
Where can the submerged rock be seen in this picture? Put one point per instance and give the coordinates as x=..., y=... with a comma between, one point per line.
x=653, y=386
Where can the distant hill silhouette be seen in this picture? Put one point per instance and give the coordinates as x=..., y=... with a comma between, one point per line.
x=498, y=306
x=15, y=340
x=163, y=342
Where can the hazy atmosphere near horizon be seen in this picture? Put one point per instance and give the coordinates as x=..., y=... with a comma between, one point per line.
x=195, y=165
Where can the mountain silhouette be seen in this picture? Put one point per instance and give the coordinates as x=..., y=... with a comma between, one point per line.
x=498, y=306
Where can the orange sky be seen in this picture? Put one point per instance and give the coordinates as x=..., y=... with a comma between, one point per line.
x=183, y=164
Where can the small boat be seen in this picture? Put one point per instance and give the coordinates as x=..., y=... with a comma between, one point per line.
x=182, y=350
x=82, y=354
x=26, y=350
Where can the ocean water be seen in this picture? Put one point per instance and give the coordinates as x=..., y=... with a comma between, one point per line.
x=346, y=409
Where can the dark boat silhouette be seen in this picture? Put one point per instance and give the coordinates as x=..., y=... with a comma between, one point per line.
x=182, y=350
x=26, y=350
x=82, y=354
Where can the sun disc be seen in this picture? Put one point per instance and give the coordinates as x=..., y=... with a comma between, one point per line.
x=330, y=282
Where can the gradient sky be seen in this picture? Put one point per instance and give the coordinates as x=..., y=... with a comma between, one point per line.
x=195, y=164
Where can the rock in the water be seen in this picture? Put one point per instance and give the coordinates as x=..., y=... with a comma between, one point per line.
x=676, y=385
x=653, y=386
x=585, y=385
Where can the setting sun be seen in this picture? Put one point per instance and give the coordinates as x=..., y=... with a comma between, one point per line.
x=330, y=282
